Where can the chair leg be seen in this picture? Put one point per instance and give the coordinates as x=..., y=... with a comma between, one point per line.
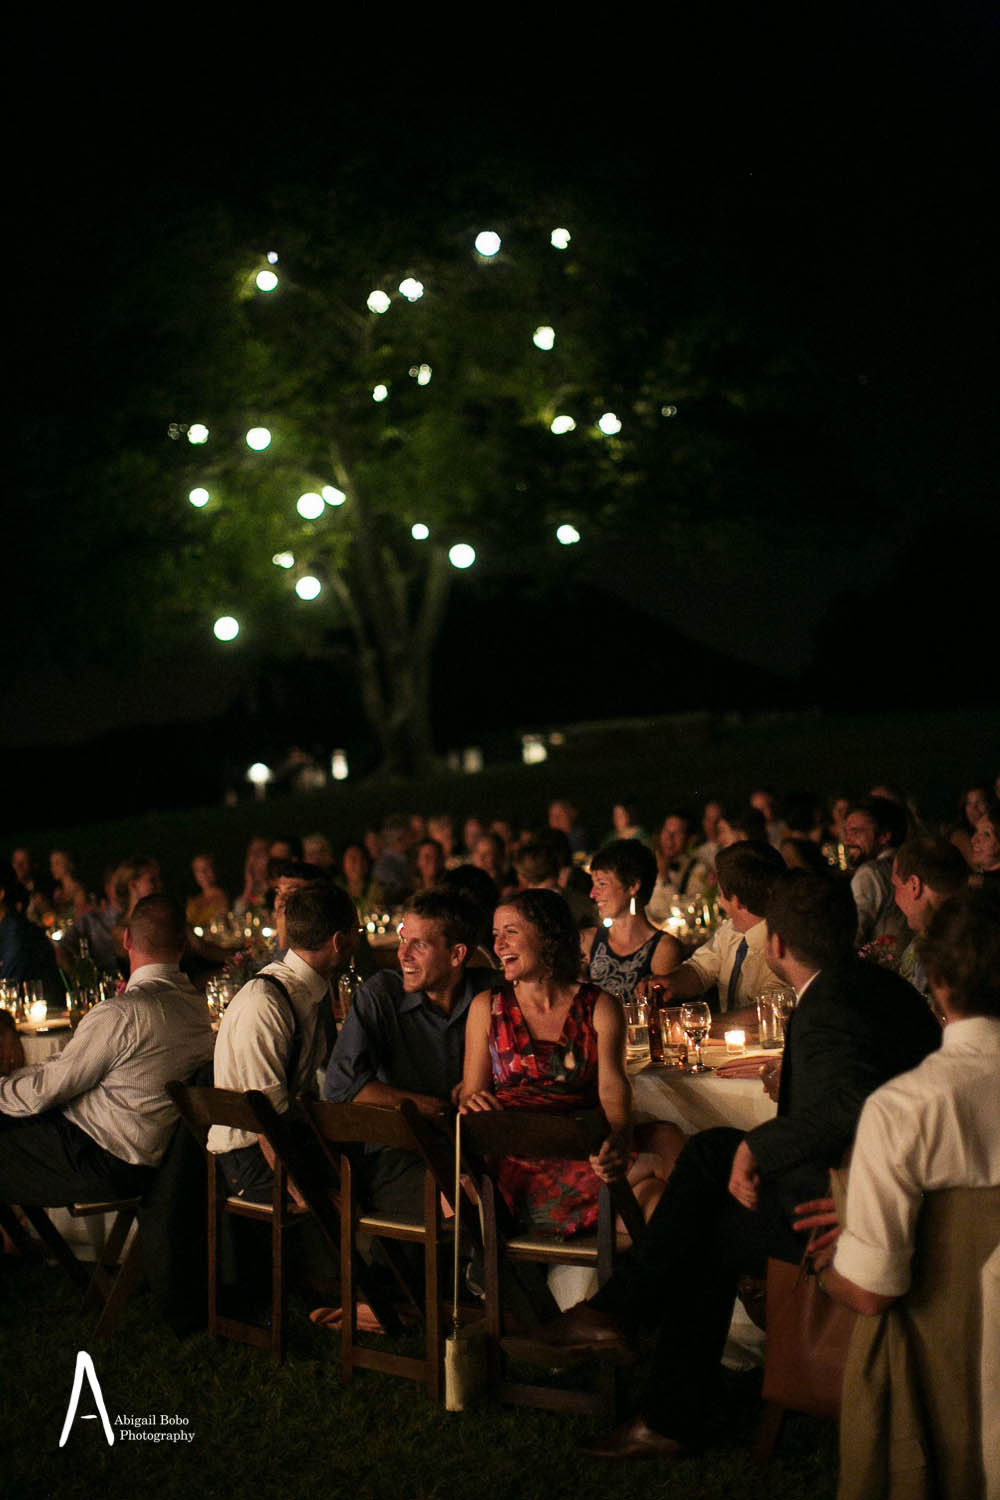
x=107, y=1265
x=13, y=1227
x=214, y=1212
x=278, y=1334
x=432, y=1291
x=55, y=1244
x=768, y=1432
x=121, y=1289
x=349, y=1318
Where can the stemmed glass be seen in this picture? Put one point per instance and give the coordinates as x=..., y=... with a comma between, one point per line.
x=696, y=1019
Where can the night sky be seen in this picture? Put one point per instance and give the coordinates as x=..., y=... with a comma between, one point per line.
x=841, y=181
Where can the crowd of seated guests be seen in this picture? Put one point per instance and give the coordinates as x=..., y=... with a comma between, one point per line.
x=411, y=852
x=536, y=939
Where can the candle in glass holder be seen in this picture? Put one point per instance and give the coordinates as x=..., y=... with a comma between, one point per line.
x=736, y=1041
x=37, y=1011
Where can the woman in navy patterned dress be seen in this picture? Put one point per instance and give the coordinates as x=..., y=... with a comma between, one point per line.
x=626, y=949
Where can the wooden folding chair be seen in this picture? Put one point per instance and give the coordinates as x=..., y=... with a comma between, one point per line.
x=201, y=1108
x=340, y=1125
x=531, y=1134
x=118, y=1263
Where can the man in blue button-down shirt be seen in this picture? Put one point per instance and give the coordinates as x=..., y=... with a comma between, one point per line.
x=404, y=1036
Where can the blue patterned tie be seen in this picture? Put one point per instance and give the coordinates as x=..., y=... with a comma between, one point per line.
x=734, y=977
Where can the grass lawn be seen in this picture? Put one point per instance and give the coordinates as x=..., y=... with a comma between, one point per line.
x=297, y=1430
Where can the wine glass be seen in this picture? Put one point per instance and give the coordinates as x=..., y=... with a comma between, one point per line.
x=696, y=1019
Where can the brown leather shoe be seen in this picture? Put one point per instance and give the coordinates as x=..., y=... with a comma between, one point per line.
x=635, y=1440
x=580, y=1331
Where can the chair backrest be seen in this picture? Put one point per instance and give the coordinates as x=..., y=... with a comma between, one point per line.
x=353, y=1124
x=534, y=1133
x=202, y=1108
x=537, y=1134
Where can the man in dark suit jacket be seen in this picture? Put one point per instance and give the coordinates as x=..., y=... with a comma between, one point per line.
x=727, y=1206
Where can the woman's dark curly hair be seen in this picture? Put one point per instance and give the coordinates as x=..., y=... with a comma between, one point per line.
x=630, y=862
x=559, y=940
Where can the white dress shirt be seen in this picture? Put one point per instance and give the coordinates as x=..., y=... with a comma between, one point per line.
x=255, y=1040
x=111, y=1078
x=937, y=1126
x=713, y=964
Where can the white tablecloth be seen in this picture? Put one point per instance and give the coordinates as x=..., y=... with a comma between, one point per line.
x=700, y=1101
x=38, y=1045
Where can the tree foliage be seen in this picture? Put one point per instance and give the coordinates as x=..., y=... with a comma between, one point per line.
x=462, y=443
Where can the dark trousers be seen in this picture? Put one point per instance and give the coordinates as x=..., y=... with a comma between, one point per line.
x=46, y=1161
x=681, y=1278
x=246, y=1251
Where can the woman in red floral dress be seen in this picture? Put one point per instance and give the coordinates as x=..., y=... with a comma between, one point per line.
x=545, y=1041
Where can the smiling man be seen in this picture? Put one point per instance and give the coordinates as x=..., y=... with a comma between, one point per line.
x=404, y=1035
x=874, y=830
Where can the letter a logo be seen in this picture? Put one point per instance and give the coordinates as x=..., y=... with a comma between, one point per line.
x=85, y=1366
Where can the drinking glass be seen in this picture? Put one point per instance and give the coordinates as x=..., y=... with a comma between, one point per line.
x=636, y=1031
x=783, y=1003
x=696, y=1018
x=768, y=1032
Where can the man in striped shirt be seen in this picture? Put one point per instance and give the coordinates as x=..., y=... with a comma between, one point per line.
x=93, y=1121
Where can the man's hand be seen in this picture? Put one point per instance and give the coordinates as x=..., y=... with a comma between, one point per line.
x=611, y=1162
x=770, y=1077
x=744, y=1177
x=479, y=1102
x=818, y=1214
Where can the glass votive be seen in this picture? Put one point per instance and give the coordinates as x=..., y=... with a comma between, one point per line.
x=37, y=1011
x=736, y=1042
x=672, y=1034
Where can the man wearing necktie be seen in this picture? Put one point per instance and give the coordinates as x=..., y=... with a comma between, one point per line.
x=733, y=963
x=730, y=1201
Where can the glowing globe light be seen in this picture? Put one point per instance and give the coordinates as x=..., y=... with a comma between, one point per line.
x=378, y=302
x=284, y=559
x=338, y=765
x=258, y=438
x=562, y=424
x=421, y=374
x=668, y=411
x=308, y=587
x=272, y=257
x=488, y=243
x=609, y=424
x=560, y=238
x=419, y=531
x=332, y=495
x=544, y=337
x=533, y=749
x=266, y=281
x=226, y=628
x=380, y=392
x=310, y=507
x=199, y=497
x=197, y=433
x=567, y=534
x=462, y=555
x=412, y=289
x=259, y=775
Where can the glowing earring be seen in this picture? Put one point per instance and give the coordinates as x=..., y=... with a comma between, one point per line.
x=631, y=906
